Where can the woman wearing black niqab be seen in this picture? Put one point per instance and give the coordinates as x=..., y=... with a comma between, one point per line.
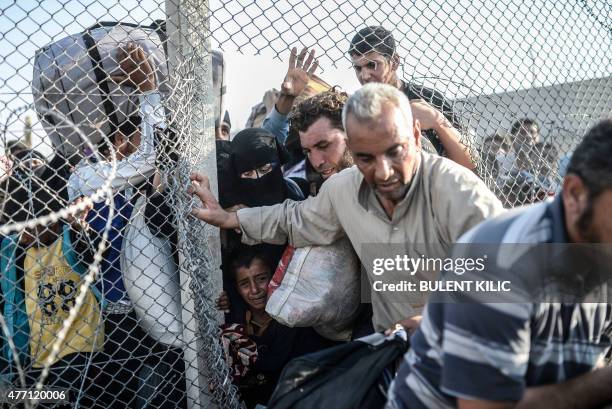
x=250, y=174
x=256, y=161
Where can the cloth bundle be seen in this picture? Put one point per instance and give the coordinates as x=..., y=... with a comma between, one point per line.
x=320, y=288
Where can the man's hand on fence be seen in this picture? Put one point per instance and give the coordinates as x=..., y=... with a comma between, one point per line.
x=296, y=80
x=235, y=208
x=210, y=212
x=136, y=70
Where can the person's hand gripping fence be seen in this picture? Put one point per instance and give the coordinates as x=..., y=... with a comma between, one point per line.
x=211, y=211
x=136, y=70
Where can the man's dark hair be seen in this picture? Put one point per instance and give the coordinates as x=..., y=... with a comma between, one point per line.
x=591, y=159
x=243, y=256
x=328, y=104
x=544, y=147
x=14, y=146
x=373, y=38
x=30, y=197
x=498, y=136
x=523, y=123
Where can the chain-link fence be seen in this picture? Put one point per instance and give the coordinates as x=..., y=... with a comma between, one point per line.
x=524, y=79
x=107, y=107
x=106, y=281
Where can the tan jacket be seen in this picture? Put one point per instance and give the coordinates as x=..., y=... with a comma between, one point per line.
x=443, y=202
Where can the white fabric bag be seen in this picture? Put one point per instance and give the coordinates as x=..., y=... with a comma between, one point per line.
x=71, y=76
x=151, y=279
x=320, y=289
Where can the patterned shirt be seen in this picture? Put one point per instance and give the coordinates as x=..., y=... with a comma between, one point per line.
x=495, y=351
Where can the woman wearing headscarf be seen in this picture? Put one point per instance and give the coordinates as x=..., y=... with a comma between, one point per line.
x=256, y=160
x=250, y=175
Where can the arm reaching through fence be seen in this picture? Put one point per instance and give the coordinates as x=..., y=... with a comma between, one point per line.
x=431, y=118
x=211, y=211
x=302, y=223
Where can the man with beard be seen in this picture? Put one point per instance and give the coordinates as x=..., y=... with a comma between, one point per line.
x=525, y=353
x=395, y=194
x=318, y=122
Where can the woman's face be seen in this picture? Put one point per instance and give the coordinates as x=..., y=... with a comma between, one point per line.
x=252, y=284
x=258, y=172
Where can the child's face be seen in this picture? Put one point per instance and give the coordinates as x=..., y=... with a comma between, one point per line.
x=252, y=284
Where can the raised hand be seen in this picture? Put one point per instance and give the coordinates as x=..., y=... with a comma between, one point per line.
x=136, y=70
x=299, y=72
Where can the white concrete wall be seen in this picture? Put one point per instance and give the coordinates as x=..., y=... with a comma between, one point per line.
x=565, y=111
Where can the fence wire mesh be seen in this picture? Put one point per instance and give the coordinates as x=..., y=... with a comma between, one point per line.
x=107, y=107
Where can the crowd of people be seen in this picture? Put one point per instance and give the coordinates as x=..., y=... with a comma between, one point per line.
x=387, y=164
x=524, y=171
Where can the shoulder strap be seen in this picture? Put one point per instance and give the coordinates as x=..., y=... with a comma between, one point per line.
x=160, y=29
x=101, y=80
x=69, y=253
x=101, y=24
x=8, y=256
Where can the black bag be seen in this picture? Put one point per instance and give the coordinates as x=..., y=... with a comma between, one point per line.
x=350, y=376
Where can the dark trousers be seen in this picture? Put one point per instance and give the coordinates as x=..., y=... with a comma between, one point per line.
x=68, y=374
x=134, y=371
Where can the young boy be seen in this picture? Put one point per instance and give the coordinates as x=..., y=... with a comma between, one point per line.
x=41, y=271
x=267, y=345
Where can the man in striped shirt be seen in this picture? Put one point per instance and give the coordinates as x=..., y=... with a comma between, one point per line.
x=523, y=355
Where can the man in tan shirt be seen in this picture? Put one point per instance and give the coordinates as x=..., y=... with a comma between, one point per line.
x=395, y=195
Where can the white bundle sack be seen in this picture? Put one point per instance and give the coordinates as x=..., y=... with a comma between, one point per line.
x=71, y=77
x=151, y=279
x=320, y=289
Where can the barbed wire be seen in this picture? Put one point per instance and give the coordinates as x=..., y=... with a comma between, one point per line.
x=104, y=192
x=494, y=63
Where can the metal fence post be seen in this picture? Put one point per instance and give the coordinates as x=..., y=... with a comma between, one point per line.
x=189, y=50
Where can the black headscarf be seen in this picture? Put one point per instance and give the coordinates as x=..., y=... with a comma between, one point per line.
x=22, y=162
x=225, y=174
x=252, y=148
